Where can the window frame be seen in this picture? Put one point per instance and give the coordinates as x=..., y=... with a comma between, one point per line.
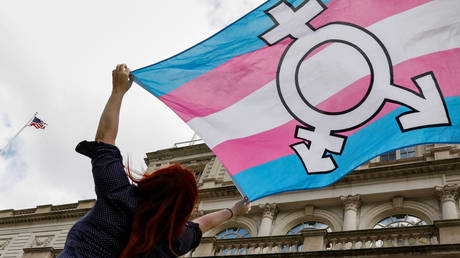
x=393, y=219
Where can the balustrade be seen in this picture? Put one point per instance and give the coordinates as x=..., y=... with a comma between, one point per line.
x=258, y=245
x=317, y=240
x=377, y=238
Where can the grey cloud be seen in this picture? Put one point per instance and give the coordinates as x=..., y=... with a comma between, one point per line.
x=224, y=12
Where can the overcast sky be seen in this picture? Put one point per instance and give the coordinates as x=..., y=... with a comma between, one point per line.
x=56, y=58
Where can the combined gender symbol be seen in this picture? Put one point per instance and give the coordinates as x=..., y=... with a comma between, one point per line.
x=319, y=133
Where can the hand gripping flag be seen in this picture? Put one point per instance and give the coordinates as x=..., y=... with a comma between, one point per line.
x=296, y=94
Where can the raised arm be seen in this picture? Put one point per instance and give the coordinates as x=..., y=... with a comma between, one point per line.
x=211, y=220
x=108, y=123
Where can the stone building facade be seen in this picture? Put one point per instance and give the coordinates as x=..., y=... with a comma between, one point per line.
x=404, y=203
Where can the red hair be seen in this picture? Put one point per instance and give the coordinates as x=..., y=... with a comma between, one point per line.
x=167, y=199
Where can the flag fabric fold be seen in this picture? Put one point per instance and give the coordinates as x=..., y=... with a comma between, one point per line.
x=296, y=94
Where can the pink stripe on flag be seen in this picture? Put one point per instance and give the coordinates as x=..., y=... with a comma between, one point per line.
x=365, y=13
x=226, y=84
x=239, y=77
x=274, y=143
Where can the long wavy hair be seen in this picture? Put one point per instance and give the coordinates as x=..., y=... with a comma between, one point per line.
x=167, y=199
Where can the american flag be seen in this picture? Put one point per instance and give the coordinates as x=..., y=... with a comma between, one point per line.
x=38, y=123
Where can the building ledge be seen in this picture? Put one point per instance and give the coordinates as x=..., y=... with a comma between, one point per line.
x=425, y=251
x=377, y=172
x=46, y=212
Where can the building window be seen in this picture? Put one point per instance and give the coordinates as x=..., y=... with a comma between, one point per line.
x=400, y=220
x=388, y=156
x=408, y=152
x=309, y=225
x=404, y=153
x=231, y=233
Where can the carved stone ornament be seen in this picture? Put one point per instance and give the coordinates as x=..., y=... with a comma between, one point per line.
x=398, y=202
x=448, y=192
x=42, y=241
x=269, y=210
x=351, y=202
x=4, y=243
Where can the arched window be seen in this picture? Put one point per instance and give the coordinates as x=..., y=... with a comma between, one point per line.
x=400, y=220
x=308, y=225
x=231, y=233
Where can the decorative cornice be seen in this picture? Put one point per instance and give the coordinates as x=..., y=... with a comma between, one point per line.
x=401, y=170
x=182, y=152
x=447, y=223
x=225, y=191
x=396, y=171
x=46, y=212
x=351, y=202
x=447, y=192
x=34, y=217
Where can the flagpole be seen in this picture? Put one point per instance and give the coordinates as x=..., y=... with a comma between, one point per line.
x=3, y=150
x=193, y=138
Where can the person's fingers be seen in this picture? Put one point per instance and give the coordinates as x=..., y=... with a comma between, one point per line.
x=120, y=67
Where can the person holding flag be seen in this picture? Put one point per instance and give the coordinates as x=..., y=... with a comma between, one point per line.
x=146, y=219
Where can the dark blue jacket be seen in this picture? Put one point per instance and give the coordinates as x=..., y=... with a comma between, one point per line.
x=104, y=231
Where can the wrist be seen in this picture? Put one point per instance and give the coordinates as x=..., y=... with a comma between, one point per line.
x=118, y=93
x=230, y=211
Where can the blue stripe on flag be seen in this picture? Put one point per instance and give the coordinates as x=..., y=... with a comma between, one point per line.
x=239, y=38
x=266, y=179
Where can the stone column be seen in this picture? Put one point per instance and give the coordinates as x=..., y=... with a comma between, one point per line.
x=448, y=195
x=350, y=211
x=269, y=212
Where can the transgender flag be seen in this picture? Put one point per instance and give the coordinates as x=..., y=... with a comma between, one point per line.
x=296, y=94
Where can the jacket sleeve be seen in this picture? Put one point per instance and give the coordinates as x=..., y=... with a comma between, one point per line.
x=108, y=171
x=189, y=239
